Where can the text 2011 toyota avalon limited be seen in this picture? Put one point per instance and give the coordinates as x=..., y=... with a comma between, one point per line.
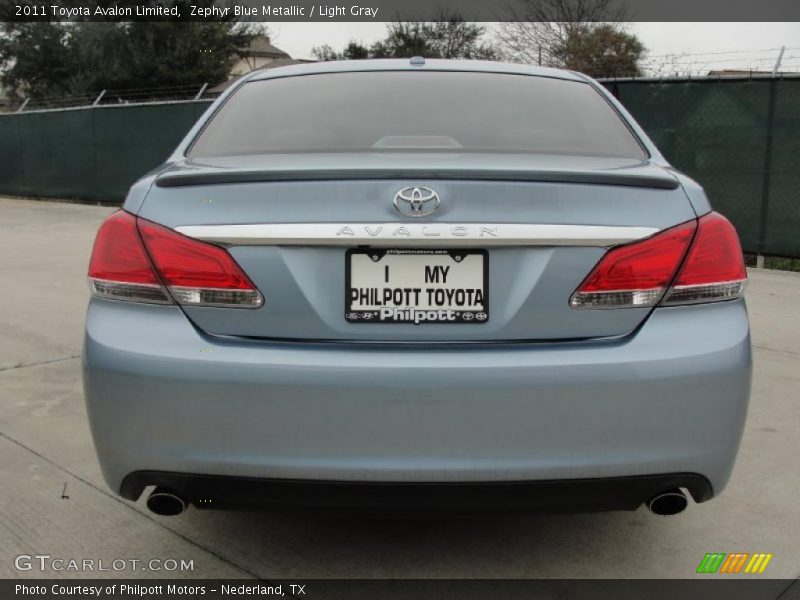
x=409, y=284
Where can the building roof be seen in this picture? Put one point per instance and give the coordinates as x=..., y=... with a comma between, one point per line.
x=278, y=62
x=262, y=46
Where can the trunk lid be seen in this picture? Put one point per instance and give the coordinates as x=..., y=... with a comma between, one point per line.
x=303, y=283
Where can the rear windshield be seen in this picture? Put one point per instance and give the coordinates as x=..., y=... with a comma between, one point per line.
x=417, y=111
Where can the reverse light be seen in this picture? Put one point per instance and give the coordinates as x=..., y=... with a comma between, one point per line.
x=706, y=251
x=135, y=259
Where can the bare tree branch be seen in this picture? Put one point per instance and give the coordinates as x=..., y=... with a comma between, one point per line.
x=536, y=29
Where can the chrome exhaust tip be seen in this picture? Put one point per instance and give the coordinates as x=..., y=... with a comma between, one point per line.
x=668, y=503
x=165, y=503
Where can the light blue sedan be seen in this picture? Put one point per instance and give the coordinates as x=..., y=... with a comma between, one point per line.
x=417, y=284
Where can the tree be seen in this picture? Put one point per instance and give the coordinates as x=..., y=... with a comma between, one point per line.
x=184, y=53
x=74, y=59
x=405, y=39
x=325, y=53
x=353, y=51
x=601, y=51
x=584, y=35
x=34, y=54
x=449, y=37
x=452, y=37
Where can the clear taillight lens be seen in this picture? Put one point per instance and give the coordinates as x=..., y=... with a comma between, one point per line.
x=707, y=251
x=138, y=260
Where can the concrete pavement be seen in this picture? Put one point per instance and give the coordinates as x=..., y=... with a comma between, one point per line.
x=45, y=444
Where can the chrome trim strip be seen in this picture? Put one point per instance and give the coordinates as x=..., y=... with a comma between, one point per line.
x=416, y=234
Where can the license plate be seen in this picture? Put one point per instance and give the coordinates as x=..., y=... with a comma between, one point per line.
x=416, y=286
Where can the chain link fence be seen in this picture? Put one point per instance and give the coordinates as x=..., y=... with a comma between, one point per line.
x=112, y=97
x=740, y=138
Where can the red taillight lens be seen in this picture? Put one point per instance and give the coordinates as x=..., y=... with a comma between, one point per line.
x=639, y=274
x=636, y=274
x=120, y=268
x=714, y=269
x=130, y=250
x=196, y=272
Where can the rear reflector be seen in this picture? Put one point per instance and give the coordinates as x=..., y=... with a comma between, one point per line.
x=137, y=260
x=640, y=274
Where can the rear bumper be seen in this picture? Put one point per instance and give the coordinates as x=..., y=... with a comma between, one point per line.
x=611, y=493
x=671, y=399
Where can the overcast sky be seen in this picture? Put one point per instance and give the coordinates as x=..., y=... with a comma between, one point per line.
x=743, y=45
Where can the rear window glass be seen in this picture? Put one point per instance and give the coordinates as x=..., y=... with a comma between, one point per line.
x=430, y=111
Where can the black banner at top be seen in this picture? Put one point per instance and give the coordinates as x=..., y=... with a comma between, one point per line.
x=389, y=10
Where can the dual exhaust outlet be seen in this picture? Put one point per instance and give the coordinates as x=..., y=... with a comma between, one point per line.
x=668, y=503
x=164, y=502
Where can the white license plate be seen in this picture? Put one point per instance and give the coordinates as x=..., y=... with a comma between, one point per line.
x=416, y=286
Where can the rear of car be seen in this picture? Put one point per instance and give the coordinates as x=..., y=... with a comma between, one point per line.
x=454, y=283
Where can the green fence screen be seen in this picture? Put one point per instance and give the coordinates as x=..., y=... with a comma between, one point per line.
x=739, y=139
x=89, y=153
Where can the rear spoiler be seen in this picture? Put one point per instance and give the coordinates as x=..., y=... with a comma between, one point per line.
x=663, y=181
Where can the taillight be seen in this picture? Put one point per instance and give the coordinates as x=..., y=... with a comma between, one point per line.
x=130, y=251
x=196, y=272
x=640, y=274
x=635, y=274
x=120, y=268
x=714, y=269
